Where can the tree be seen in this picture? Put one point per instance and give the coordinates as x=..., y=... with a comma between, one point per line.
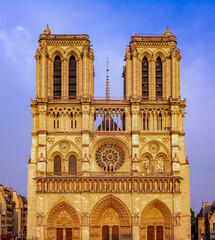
x=193, y=221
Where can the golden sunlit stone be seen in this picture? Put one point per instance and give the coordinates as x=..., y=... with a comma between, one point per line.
x=108, y=169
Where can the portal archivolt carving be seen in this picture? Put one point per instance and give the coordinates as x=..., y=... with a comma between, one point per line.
x=154, y=216
x=63, y=216
x=114, y=203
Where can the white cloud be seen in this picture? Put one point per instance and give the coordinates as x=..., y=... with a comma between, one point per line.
x=19, y=29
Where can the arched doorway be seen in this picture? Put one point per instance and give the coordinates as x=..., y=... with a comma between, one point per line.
x=63, y=223
x=156, y=222
x=110, y=220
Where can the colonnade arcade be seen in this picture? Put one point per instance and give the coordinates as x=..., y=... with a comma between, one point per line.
x=110, y=219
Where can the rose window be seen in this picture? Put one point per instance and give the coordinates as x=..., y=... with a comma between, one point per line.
x=110, y=157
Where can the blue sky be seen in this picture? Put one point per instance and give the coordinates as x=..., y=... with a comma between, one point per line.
x=110, y=25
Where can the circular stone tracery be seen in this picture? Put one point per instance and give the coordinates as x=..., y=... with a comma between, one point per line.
x=110, y=157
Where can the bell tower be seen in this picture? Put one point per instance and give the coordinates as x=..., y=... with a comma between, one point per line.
x=64, y=66
x=152, y=67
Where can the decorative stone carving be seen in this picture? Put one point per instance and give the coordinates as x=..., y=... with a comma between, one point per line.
x=51, y=140
x=39, y=220
x=160, y=164
x=85, y=219
x=165, y=140
x=153, y=147
x=64, y=219
x=135, y=220
x=110, y=157
x=127, y=138
x=146, y=165
x=64, y=146
x=110, y=217
x=93, y=138
x=177, y=219
x=78, y=140
x=142, y=140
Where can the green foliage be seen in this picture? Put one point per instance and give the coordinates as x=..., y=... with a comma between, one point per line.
x=193, y=221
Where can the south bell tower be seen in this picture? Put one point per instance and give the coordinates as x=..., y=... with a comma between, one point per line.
x=102, y=168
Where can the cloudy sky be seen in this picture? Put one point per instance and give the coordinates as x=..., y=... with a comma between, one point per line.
x=110, y=24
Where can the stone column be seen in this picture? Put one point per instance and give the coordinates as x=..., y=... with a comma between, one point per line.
x=44, y=72
x=38, y=82
x=153, y=79
x=84, y=87
x=65, y=79
x=134, y=72
x=128, y=74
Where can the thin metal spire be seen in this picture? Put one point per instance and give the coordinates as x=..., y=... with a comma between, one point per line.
x=107, y=97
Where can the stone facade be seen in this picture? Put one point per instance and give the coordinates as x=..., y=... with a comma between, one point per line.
x=206, y=222
x=105, y=168
x=13, y=213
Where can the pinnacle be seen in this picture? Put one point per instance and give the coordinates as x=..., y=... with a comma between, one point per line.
x=47, y=30
x=168, y=32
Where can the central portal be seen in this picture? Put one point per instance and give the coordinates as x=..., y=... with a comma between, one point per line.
x=110, y=224
x=110, y=232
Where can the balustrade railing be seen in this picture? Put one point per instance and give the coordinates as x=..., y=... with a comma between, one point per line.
x=109, y=119
x=106, y=174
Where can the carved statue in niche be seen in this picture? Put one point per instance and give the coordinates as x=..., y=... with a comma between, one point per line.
x=85, y=219
x=177, y=186
x=120, y=185
x=170, y=186
x=135, y=185
x=90, y=186
x=146, y=165
x=100, y=185
x=160, y=186
x=105, y=186
x=39, y=220
x=136, y=220
x=125, y=186
x=160, y=164
x=115, y=185
x=155, y=186
x=150, y=185
x=178, y=219
x=165, y=185
x=80, y=185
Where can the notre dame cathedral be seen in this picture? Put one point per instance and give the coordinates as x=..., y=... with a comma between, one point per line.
x=108, y=169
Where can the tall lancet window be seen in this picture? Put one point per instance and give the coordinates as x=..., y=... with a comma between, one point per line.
x=57, y=78
x=158, y=78
x=57, y=164
x=72, y=164
x=72, y=77
x=145, y=78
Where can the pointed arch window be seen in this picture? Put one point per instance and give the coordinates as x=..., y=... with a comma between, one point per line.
x=72, y=164
x=57, y=78
x=145, y=78
x=72, y=77
x=57, y=165
x=158, y=78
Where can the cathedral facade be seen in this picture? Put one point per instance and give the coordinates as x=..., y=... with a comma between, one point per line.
x=108, y=169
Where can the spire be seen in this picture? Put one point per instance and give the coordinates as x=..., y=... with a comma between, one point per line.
x=107, y=97
x=168, y=32
x=47, y=30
